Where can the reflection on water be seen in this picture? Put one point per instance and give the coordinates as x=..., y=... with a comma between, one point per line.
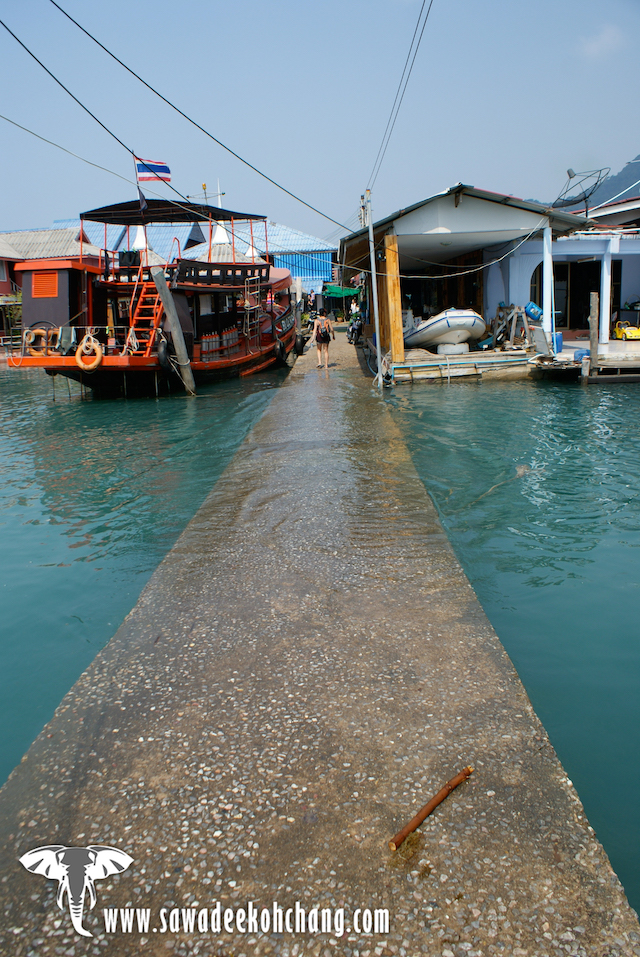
x=92, y=496
x=537, y=487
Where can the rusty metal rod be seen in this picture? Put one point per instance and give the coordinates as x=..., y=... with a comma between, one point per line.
x=428, y=808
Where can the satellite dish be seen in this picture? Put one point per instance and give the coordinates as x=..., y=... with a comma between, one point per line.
x=588, y=180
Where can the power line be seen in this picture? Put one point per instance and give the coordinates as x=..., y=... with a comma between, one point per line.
x=85, y=108
x=193, y=122
x=239, y=232
x=399, y=97
x=247, y=238
x=66, y=90
x=83, y=159
x=393, y=106
x=453, y=275
x=69, y=152
x=104, y=169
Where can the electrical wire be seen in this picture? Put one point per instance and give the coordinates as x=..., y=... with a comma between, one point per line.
x=85, y=108
x=404, y=69
x=375, y=171
x=106, y=128
x=247, y=237
x=452, y=275
x=70, y=152
x=239, y=232
x=617, y=196
x=66, y=89
x=104, y=169
x=193, y=122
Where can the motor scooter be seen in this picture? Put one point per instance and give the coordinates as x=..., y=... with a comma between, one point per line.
x=355, y=330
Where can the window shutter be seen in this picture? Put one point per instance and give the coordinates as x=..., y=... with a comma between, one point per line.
x=44, y=285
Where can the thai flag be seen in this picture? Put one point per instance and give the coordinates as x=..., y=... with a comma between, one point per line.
x=149, y=170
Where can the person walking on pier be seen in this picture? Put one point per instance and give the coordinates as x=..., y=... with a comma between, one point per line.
x=322, y=334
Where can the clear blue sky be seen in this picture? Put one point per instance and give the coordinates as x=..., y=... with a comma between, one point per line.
x=503, y=96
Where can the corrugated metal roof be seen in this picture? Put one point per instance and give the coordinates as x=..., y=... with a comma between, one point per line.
x=7, y=251
x=282, y=238
x=313, y=282
x=306, y=264
x=49, y=243
x=94, y=232
x=159, y=236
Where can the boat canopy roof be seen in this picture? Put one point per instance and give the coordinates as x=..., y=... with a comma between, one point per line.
x=279, y=278
x=161, y=211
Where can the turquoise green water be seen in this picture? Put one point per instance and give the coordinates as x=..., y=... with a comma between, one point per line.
x=92, y=496
x=538, y=488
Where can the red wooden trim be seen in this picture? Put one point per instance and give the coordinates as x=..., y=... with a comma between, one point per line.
x=37, y=264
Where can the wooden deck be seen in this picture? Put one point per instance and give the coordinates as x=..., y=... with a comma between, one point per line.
x=422, y=364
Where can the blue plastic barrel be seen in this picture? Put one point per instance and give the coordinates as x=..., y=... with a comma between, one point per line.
x=557, y=342
x=534, y=312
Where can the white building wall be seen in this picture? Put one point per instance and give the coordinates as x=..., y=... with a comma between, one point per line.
x=630, y=288
x=521, y=268
x=494, y=290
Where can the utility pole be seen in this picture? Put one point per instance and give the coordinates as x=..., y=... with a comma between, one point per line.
x=374, y=287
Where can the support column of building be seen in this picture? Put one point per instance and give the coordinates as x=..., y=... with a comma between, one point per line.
x=394, y=300
x=613, y=246
x=547, y=281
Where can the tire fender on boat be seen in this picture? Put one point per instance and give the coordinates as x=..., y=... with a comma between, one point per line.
x=163, y=354
x=89, y=347
x=280, y=350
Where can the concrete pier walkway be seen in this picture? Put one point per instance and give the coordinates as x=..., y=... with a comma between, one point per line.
x=306, y=668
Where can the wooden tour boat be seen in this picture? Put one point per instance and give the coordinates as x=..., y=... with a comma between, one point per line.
x=125, y=322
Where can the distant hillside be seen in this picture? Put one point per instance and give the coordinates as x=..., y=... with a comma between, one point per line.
x=613, y=185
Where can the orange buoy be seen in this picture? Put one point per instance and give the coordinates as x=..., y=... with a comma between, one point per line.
x=89, y=347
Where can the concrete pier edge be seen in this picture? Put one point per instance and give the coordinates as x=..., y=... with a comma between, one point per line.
x=304, y=670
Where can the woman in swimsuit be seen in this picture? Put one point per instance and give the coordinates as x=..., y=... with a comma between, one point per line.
x=322, y=334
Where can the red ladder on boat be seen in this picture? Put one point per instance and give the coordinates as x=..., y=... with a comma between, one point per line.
x=146, y=317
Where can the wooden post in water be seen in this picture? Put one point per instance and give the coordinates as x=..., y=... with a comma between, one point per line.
x=173, y=323
x=593, y=333
x=394, y=300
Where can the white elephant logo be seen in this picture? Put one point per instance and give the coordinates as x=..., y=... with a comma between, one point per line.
x=75, y=869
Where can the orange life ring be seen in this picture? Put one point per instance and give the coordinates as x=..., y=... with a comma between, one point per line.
x=30, y=337
x=89, y=346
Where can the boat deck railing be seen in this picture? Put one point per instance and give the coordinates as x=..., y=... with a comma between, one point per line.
x=127, y=269
x=65, y=340
x=11, y=343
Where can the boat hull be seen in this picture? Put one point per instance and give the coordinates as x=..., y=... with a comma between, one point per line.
x=451, y=327
x=133, y=375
